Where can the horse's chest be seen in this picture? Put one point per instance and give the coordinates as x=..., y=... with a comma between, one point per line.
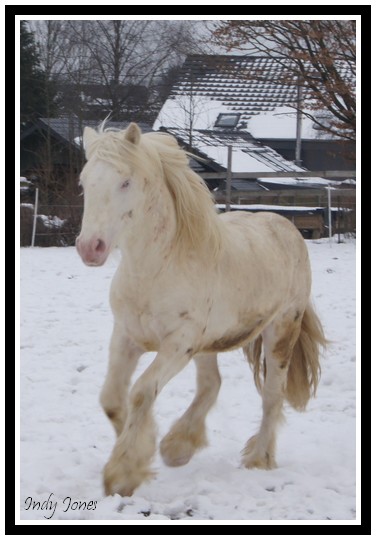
x=141, y=329
x=137, y=317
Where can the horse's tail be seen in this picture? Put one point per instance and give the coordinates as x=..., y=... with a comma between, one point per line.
x=304, y=369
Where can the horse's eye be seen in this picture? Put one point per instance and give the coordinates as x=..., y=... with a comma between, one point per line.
x=125, y=184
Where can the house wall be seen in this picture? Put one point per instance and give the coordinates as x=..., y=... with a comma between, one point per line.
x=317, y=155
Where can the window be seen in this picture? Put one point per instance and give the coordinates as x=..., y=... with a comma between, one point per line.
x=227, y=120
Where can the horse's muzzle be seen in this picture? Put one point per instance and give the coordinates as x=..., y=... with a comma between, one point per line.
x=93, y=252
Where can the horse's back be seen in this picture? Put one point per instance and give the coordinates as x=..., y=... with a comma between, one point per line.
x=257, y=220
x=267, y=251
x=264, y=231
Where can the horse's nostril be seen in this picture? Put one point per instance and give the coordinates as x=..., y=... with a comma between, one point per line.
x=101, y=246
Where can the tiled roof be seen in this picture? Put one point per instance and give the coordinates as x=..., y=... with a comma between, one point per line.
x=248, y=85
x=235, y=81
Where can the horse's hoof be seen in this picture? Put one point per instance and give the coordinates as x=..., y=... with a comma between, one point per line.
x=118, y=480
x=259, y=462
x=254, y=458
x=113, y=486
x=177, y=448
x=113, y=489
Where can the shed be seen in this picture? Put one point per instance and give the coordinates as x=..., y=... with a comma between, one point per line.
x=56, y=144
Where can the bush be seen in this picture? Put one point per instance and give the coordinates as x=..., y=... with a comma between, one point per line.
x=51, y=229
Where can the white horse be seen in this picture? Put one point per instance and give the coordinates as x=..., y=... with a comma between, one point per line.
x=191, y=283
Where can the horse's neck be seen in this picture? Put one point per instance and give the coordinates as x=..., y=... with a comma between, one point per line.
x=151, y=233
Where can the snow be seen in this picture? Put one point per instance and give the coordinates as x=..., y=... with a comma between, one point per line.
x=66, y=438
x=52, y=222
x=241, y=161
x=78, y=141
x=281, y=124
x=195, y=112
x=316, y=180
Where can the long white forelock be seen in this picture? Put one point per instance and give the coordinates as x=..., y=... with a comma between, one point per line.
x=112, y=147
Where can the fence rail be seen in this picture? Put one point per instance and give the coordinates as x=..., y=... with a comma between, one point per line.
x=281, y=174
x=35, y=229
x=315, y=194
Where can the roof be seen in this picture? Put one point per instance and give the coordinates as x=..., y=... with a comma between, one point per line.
x=235, y=81
x=253, y=87
x=248, y=155
x=69, y=129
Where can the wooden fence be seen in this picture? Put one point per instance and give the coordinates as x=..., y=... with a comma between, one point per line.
x=307, y=208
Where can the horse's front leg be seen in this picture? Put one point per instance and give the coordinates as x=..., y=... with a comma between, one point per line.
x=124, y=354
x=188, y=434
x=129, y=464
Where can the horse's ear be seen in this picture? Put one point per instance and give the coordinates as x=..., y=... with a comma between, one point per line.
x=89, y=136
x=133, y=133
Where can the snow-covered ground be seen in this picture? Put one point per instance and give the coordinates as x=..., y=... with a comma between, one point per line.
x=66, y=439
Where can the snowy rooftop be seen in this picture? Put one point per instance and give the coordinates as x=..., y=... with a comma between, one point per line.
x=249, y=87
x=248, y=155
x=235, y=81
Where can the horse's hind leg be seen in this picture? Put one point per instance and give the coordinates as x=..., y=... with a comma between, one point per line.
x=279, y=340
x=188, y=434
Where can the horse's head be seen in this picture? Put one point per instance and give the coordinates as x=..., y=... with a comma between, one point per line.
x=112, y=190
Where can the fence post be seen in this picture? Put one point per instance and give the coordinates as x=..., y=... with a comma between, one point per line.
x=299, y=117
x=35, y=217
x=330, y=214
x=228, y=179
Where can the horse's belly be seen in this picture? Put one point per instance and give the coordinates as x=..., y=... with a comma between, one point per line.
x=225, y=337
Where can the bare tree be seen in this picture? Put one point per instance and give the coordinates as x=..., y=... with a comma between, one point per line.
x=113, y=66
x=51, y=45
x=320, y=55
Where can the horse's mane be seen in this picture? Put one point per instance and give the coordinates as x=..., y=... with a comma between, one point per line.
x=198, y=226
